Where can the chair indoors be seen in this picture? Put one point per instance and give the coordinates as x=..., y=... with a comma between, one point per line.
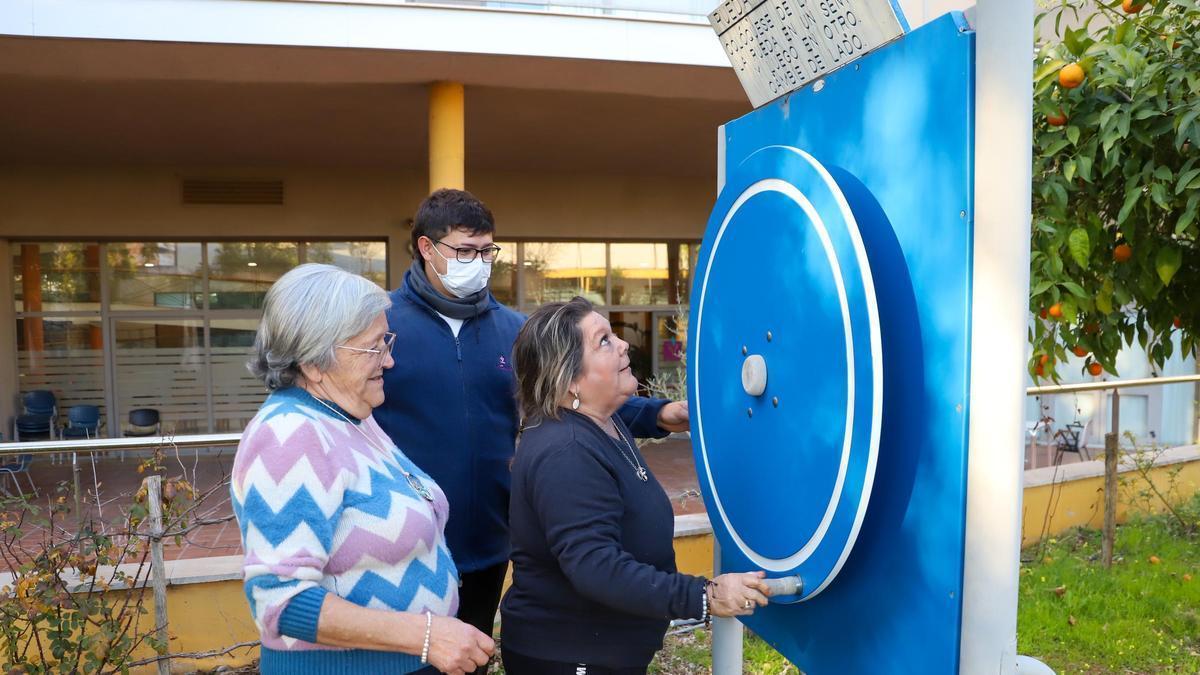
x=11, y=466
x=83, y=421
x=143, y=422
x=38, y=418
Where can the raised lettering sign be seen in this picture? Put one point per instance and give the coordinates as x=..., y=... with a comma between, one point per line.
x=778, y=46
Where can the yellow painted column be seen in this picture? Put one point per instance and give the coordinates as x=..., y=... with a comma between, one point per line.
x=447, y=136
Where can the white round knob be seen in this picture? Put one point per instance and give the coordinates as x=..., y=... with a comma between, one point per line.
x=754, y=375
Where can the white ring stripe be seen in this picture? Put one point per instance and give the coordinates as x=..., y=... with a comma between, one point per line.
x=790, y=191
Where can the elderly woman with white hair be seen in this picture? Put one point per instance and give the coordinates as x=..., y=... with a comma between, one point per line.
x=346, y=566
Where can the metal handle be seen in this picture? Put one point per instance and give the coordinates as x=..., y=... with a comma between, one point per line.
x=784, y=586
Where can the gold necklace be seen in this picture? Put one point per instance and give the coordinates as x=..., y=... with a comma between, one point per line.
x=413, y=481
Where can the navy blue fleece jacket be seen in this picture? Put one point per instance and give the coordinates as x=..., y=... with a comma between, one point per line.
x=451, y=408
x=594, y=577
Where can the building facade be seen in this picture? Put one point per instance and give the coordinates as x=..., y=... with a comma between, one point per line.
x=163, y=161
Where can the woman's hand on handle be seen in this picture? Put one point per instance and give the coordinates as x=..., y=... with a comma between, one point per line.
x=737, y=594
x=456, y=647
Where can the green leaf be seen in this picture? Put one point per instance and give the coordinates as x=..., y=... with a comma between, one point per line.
x=1073, y=134
x=1106, y=115
x=1055, y=147
x=1075, y=290
x=1188, y=181
x=1163, y=173
x=1048, y=68
x=1131, y=197
x=1158, y=192
x=1080, y=247
x=1167, y=263
x=1040, y=288
x=1104, y=297
x=1185, y=127
x=1084, y=163
x=1069, y=169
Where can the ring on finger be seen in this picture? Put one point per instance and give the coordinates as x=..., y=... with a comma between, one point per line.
x=748, y=604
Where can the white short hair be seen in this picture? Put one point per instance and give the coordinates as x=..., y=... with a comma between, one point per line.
x=307, y=312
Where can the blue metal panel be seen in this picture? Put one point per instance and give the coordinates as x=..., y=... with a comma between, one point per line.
x=895, y=133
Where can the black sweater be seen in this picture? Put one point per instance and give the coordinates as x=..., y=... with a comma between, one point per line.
x=594, y=577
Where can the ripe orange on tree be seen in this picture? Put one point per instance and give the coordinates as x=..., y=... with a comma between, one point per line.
x=1071, y=76
x=1132, y=6
x=1055, y=310
x=1095, y=369
x=1057, y=119
x=1040, y=370
x=1044, y=360
x=1122, y=253
x=1177, y=323
x=1079, y=351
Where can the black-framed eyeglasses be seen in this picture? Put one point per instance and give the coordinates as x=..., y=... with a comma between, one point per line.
x=380, y=352
x=466, y=254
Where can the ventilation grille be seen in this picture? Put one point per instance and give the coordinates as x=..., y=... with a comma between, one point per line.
x=231, y=191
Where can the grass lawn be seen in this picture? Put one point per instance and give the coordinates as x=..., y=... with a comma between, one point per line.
x=1142, y=616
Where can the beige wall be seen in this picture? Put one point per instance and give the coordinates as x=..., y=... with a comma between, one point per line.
x=144, y=203
x=72, y=203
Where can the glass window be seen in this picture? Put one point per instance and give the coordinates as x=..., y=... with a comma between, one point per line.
x=236, y=394
x=367, y=258
x=160, y=365
x=56, y=277
x=241, y=272
x=504, y=282
x=155, y=275
x=556, y=272
x=641, y=273
x=64, y=355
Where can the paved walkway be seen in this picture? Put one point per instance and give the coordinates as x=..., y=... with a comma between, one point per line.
x=670, y=460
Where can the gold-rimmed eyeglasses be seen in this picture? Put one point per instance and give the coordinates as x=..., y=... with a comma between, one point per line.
x=384, y=348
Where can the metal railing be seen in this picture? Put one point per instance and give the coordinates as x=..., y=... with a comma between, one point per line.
x=1110, y=384
x=1111, y=441
x=101, y=445
x=104, y=445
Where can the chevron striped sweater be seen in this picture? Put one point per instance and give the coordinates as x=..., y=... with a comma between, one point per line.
x=322, y=510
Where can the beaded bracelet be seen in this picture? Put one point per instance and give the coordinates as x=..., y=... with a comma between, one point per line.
x=428, y=631
x=704, y=601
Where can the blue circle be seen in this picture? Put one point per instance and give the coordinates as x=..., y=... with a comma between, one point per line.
x=783, y=274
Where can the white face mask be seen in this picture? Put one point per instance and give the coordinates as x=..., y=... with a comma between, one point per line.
x=463, y=279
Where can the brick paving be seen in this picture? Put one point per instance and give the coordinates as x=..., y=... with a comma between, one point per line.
x=670, y=460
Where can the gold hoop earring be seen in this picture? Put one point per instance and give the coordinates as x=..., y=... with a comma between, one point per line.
x=575, y=403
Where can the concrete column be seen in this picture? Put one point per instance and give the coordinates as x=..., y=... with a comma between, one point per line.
x=8, y=342
x=447, y=136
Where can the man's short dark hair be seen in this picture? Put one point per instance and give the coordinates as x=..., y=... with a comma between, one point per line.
x=448, y=209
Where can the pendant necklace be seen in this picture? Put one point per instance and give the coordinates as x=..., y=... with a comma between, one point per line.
x=413, y=481
x=638, y=469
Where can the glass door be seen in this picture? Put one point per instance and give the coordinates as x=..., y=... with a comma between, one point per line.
x=160, y=363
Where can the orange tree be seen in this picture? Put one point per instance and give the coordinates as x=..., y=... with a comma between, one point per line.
x=1116, y=183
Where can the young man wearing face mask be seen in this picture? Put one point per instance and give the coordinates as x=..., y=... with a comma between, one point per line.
x=450, y=397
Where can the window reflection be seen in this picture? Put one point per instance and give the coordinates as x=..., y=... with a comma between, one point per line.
x=155, y=275
x=642, y=273
x=504, y=280
x=242, y=272
x=555, y=272
x=56, y=277
x=365, y=258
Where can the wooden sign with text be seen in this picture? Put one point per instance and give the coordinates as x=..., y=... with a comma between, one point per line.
x=778, y=46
